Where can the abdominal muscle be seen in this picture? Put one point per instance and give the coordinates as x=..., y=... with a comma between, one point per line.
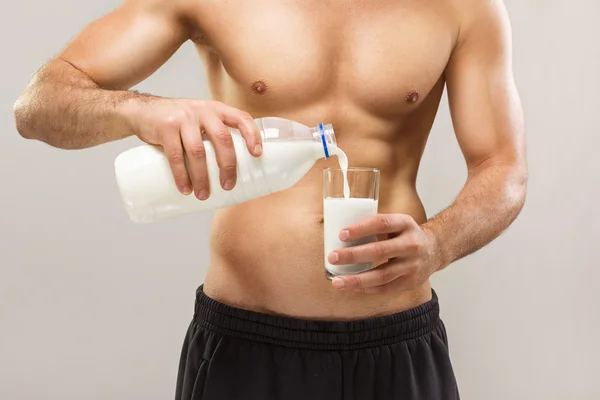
x=267, y=254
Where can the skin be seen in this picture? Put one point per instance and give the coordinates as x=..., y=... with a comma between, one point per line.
x=376, y=70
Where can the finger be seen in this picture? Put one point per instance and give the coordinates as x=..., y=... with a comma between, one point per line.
x=363, y=253
x=403, y=245
x=174, y=151
x=196, y=157
x=379, y=276
x=378, y=224
x=222, y=142
x=244, y=122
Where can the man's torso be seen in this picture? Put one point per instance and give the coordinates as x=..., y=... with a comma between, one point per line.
x=374, y=69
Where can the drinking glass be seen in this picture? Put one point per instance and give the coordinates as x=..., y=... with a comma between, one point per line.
x=349, y=195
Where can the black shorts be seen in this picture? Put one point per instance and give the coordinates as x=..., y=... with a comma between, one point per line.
x=233, y=354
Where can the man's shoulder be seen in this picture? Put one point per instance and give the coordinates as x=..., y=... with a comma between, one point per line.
x=481, y=21
x=479, y=14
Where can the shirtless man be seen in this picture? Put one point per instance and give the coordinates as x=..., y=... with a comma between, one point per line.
x=267, y=324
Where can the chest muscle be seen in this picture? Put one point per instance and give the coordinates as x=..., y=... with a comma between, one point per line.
x=381, y=56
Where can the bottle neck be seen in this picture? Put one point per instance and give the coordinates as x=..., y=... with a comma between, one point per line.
x=325, y=134
x=275, y=129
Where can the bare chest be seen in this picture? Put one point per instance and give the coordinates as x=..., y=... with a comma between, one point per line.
x=381, y=56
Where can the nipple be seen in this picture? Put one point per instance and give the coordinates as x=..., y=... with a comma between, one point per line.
x=259, y=87
x=412, y=96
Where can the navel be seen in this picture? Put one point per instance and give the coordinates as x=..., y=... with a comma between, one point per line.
x=412, y=96
x=259, y=87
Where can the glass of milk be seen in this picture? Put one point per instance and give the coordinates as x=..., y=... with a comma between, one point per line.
x=349, y=195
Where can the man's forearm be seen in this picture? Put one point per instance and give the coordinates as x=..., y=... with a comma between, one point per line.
x=63, y=107
x=490, y=201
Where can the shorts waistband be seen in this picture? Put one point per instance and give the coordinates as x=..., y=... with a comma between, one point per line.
x=225, y=320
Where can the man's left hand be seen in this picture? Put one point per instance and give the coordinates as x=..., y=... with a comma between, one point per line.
x=406, y=253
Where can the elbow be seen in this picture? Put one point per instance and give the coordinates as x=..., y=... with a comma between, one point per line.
x=24, y=115
x=30, y=108
x=28, y=114
x=518, y=188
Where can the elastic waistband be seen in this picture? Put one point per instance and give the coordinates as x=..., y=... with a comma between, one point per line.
x=225, y=320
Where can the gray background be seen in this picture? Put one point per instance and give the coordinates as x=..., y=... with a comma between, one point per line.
x=94, y=307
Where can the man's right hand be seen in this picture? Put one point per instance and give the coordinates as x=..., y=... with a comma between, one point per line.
x=81, y=98
x=180, y=125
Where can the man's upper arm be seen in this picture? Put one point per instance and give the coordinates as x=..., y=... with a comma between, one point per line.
x=484, y=102
x=127, y=45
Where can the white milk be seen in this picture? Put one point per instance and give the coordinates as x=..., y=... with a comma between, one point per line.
x=338, y=214
x=343, y=160
x=149, y=192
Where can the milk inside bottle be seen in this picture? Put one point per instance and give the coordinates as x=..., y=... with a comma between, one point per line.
x=290, y=149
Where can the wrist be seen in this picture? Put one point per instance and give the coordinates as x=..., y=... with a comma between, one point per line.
x=129, y=110
x=436, y=251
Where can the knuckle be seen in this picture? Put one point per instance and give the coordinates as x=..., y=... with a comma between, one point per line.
x=225, y=138
x=349, y=256
x=412, y=244
x=384, y=222
x=198, y=104
x=175, y=156
x=228, y=170
x=408, y=219
x=360, y=227
x=197, y=150
x=384, y=275
x=380, y=249
x=357, y=282
x=245, y=116
x=175, y=118
x=171, y=122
